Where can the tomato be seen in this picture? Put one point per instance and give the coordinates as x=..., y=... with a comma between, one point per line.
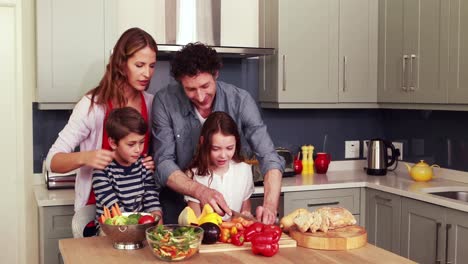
x=146, y=219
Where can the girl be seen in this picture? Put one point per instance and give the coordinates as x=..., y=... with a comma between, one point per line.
x=124, y=83
x=219, y=165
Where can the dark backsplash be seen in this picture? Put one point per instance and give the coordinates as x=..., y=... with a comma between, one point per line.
x=435, y=136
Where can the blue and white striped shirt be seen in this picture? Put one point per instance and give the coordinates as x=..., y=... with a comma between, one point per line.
x=132, y=187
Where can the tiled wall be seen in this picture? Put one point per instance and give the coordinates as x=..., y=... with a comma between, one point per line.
x=436, y=136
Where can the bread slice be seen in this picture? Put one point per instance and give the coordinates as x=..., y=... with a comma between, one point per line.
x=303, y=221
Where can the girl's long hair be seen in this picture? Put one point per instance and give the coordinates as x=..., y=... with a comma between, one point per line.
x=217, y=122
x=112, y=84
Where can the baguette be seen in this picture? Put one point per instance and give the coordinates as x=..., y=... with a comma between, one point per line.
x=288, y=221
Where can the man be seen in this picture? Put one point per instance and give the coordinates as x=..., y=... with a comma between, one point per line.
x=177, y=116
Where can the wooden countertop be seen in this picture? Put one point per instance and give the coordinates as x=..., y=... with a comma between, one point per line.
x=99, y=250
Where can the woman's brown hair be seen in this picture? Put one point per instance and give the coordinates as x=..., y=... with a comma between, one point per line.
x=112, y=84
x=217, y=122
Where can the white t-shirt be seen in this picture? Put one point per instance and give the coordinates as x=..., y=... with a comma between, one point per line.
x=236, y=185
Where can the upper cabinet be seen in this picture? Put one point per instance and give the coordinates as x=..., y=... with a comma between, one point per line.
x=458, y=49
x=75, y=38
x=326, y=53
x=71, y=55
x=413, y=51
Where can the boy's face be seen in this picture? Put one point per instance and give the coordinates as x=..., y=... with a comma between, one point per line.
x=128, y=149
x=222, y=150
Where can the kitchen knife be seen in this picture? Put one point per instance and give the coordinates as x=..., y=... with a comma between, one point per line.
x=236, y=214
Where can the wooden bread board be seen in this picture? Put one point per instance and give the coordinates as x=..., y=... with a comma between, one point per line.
x=284, y=242
x=344, y=238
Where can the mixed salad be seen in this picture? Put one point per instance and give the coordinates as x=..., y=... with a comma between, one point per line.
x=175, y=244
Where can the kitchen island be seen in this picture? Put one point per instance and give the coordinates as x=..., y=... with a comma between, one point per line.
x=99, y=250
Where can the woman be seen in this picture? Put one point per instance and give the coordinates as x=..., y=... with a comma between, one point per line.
x=124, y=83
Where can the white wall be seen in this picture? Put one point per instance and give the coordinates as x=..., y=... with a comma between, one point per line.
x=19, y=239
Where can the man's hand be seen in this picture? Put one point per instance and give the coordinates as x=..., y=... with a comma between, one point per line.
x=181, y=183
x=266, y=215
x=210, y=196
x=272, y=187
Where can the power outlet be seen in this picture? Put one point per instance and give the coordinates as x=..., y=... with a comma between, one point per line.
x=399, y=146
x=365, y=144
x=352, y=149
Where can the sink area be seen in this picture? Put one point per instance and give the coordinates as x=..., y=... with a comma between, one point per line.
x=456, y=193
x=461, y=196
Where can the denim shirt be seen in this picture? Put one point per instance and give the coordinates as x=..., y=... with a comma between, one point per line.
x=176, y=128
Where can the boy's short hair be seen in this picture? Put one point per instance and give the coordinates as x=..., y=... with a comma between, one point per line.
x=123, y=121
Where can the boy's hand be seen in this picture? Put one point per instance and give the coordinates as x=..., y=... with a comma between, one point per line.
x=148, y=162
x=159, y=214
x=97, y=159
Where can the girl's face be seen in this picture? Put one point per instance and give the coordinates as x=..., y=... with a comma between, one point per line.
x=128, y=149
x=222, y=150
x=140, y=68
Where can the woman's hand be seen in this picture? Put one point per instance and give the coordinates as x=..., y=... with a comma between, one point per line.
x=97, y=159
x=148, y=162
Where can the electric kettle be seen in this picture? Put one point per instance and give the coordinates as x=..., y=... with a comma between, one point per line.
x=377, y=158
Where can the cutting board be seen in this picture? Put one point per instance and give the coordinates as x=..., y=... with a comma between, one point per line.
x=344, y=238
x=284, y=242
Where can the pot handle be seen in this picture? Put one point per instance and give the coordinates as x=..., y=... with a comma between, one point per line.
x=393, y=157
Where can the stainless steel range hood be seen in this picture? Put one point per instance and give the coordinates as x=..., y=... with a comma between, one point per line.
x=201, y=20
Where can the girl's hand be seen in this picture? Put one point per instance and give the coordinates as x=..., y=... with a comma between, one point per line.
x=148, y=162
x=97, y=159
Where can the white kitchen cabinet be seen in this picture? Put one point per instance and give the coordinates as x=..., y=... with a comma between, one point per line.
x=71, y=54
x=413, y=51
x=458, y=50
x=326, y=52
x=54, y=224
x=311, y=200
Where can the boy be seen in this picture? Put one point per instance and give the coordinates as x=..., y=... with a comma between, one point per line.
x=125, y=180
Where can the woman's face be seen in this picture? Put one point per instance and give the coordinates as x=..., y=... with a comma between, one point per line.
x=140, y=68
x=222, y=150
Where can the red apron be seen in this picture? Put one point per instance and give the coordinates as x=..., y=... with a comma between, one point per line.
x=105, y=137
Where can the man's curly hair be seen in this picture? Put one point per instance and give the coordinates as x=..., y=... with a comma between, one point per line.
x=195, y=58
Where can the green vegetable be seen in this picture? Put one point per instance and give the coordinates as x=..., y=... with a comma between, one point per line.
x=132, y=221
x=109, y=221
x=136, y=216
x=120, y=220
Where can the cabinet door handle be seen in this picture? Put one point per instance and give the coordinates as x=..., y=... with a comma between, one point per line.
x=344, y=73
x=437, y=260
x=383, y=199
x=322, y=204
x=403, y=75
x=284, y=72
x=412, y=80
x=447, y=229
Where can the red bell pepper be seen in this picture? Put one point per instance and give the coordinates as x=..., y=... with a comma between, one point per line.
x=266, y=250
x=265, y=238
x=252, y=230
x=238, y=239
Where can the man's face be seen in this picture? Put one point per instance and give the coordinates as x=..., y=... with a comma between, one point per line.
x=128, y=149
x=200, y=89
